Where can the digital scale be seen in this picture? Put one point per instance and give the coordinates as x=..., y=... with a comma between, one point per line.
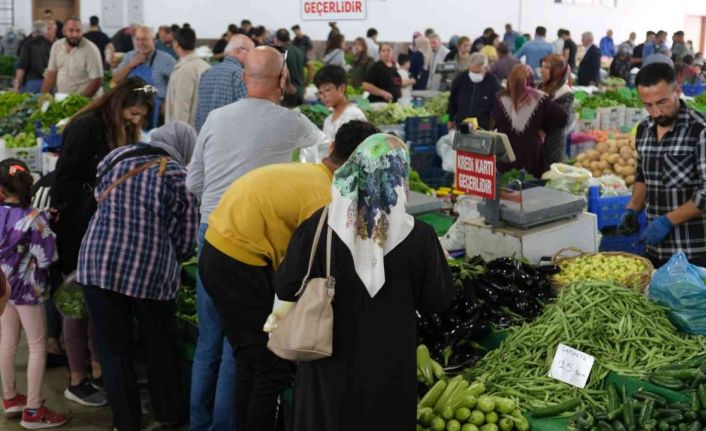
x=531, y=222
x=448, y=71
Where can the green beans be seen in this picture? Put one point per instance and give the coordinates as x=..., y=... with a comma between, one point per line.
x=626, y=333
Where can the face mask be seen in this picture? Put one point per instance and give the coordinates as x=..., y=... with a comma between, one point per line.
x=476, y=77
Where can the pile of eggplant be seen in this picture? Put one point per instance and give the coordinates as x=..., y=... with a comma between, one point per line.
x=495, y=294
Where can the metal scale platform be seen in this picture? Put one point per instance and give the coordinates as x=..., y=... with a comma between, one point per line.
x=533, y=222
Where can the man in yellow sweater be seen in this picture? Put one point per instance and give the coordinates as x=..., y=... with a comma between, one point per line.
x=247, y=237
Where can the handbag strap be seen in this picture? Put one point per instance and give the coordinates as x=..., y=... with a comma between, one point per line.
x=162, y=162
x=314, y=246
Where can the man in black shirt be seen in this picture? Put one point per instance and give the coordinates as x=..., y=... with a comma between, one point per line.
x=302, y=41
x=590, y=67
x=480, y=41
x=33, y=60
x=122, y=40
x=637, y=52
x=569, y=50
x=101, y=40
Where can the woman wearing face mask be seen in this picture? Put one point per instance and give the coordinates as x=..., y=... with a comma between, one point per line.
x=525, y=115
x=472, y=93
x=112, y=121
x=555, y=74
x=383, y=82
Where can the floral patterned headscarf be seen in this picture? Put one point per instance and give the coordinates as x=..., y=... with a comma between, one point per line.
x=368, y=209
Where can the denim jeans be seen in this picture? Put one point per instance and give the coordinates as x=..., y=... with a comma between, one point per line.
x=33, y=86
x=213, y=373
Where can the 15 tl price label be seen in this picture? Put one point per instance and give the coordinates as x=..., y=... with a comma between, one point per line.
x=571, y=366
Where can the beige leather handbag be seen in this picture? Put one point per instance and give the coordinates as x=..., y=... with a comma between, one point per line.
x=305, y=333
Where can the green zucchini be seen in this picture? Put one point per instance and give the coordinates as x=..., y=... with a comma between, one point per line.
x=646, y=412
x=629, y=416
x=644, y=395
x=669, y=383
x=557, y=409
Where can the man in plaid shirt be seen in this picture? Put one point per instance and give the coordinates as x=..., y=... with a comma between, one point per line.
x=223, y=84
x=671, y=171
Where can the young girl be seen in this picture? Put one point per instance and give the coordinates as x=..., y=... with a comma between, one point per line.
x=26, y=251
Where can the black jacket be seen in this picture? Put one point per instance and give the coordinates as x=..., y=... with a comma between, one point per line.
x=590, y=67
x=468, y=99
x=84, y=145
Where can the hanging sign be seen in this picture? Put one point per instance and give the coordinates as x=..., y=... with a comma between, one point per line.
x=475, y=174
x=333, y=10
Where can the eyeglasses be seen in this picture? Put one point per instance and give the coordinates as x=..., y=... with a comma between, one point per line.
x=147, y=89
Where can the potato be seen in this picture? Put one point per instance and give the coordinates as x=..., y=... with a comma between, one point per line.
x=608, y=172
x=618, y=169
x=597, y=173
x=632, y=162
x=625, y=152
x=603, y=147
x=630, y=180
x=613, y=148
x=581, y=157
x=603, y=165
x=595, y=166
x=613, y=158
x=629, y=170
x=634, y=154
x=593, y=155
x=604, y=157
x=622, y=161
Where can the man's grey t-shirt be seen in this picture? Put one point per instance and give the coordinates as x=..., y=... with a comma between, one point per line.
x=240, y=137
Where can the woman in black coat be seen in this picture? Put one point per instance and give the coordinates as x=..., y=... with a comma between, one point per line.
x=112, y=121
x=386, y=265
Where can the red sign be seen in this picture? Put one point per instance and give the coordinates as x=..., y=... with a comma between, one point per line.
x=475, y=174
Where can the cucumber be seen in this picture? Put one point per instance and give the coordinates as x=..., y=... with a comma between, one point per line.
x=646, y=412
x=681, y=406
x=558, y=409
x=695, y=403
x=645, y=395
x=691, y=416
x=613, y=402
x=604, y=426
x=666, y=382
x=431, y=397
x=701, y=391
x=668, y=412
x=629, y=416
x=618, y=426
x=615, y=414
x=674, y=419
x=680, y=374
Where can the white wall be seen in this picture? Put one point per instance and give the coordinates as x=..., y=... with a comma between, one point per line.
x=396, y=20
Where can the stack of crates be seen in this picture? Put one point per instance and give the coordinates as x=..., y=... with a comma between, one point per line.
x=421, y=134
x=611, y=118
x=609, y=211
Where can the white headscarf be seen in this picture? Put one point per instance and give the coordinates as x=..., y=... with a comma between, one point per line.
x=176, y=138
x=368, y=209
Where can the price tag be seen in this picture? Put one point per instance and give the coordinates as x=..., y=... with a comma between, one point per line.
x=571, y=366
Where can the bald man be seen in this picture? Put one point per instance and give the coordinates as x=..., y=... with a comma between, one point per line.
x=147, y=62
x=223, y=83
x=235, y=139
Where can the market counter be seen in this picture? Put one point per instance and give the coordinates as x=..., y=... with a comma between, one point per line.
x=532, y=243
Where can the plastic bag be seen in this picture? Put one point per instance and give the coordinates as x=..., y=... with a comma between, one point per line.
x=567, y=178
x=680, y=286
x=446, y=152
x=611, y=185
x=455, y=238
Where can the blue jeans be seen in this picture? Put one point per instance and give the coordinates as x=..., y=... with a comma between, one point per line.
x=213, y=373
x=33, y=86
